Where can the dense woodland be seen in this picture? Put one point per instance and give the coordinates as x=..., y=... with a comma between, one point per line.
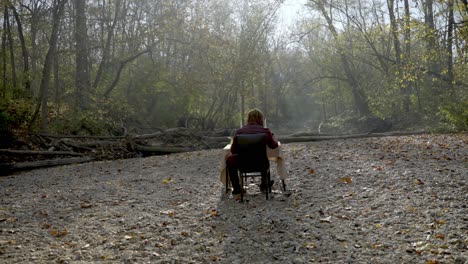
x=97, y=67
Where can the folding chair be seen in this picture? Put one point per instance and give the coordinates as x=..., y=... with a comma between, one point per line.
x=252, y=160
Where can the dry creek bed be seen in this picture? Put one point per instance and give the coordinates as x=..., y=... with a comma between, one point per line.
x=373, y=200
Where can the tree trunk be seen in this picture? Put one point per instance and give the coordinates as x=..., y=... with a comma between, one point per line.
x=359, y=100
x=45, y=82
x=407, y=58
x=82, y=81
x=35, y=81
x=24, y=52
x=398, y=53
x=4, y=58
x=451, y=22
x=12, y=51
x=107, y=47
x=57, y=85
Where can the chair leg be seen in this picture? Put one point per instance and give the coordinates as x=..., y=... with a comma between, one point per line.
x=242, y=187
x=227, y=180
x=268, y=187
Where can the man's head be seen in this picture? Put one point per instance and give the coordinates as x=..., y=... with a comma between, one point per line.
x=255, y=116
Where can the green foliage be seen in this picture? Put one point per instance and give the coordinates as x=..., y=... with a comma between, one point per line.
x=455, y=116
x=16, y=112
x=14, y=115
x=81, y=123
x=102, y=119
x=5, y=132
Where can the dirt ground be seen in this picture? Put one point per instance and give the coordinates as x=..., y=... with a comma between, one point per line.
x=373, y=200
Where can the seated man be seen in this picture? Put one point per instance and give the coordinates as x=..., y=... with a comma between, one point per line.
x=254, y=126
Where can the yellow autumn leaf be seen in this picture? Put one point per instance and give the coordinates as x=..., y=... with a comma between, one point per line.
x=168, y=180
x=57, y=233
x=214, y=213
x=346, y=179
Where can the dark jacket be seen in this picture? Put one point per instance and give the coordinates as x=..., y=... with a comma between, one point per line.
x=254, y=129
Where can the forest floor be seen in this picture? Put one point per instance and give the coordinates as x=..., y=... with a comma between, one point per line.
x=372, y=200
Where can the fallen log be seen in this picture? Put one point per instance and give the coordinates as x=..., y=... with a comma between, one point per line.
x=147, y=136
x=6, y=169
x=217, y=139
x=40, y=152
x=80, y=137
x=160, y=149
x=289, y=139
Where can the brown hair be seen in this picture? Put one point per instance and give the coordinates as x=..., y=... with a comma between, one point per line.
x=255, y=116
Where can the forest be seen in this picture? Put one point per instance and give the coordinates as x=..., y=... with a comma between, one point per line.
x=368, y=98
x=100, y=67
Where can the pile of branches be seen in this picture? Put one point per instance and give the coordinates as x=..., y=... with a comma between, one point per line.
x=43, y=150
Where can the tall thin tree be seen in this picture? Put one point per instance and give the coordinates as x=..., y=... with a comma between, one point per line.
x=82, y=81
x=57, y=11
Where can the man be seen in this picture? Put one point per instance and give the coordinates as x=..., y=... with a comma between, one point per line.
x=254, y=126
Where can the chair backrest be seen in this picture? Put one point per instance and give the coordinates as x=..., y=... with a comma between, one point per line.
x=252, y=153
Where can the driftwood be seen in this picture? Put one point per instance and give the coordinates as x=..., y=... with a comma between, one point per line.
x=160, y=149
x=79, y=137
x=91, y=144
x=39, y=152
x=6, y=169
x=291, y=139
x=146, y=136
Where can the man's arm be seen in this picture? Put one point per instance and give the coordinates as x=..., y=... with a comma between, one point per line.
x=271, y=142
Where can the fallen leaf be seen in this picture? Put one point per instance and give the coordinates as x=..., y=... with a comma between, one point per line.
x=183, y=233
x=168, y=180
x=214, y=213
x=346, y=179
x=213, y=258
x=418, y=182
x=296, y=204
x=57, y=233
x=86, y=205
x=309, y=245
x=311, y=171
x=11, y=242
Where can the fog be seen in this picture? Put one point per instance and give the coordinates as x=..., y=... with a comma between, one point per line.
x=95, y=67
